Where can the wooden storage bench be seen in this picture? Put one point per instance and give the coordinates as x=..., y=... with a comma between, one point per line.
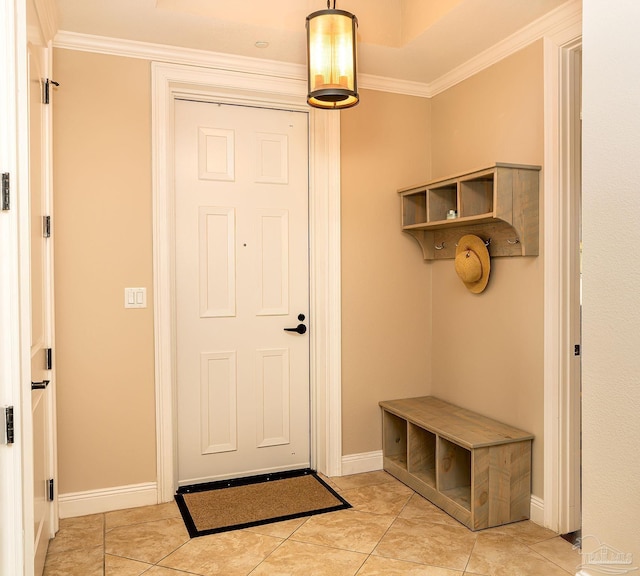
x=476, y=469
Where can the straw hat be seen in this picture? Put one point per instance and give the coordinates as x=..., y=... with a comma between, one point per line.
x=473, y=263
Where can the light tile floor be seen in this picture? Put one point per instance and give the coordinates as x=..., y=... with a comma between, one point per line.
x=390, y=531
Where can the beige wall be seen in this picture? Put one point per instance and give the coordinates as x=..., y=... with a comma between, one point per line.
x=611, y=314
x=385, y=281
x=102, y=231
x=494, y=116
x=487, y=352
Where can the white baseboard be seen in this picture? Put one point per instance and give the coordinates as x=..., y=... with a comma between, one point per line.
x=537, y=510
x=359, y=463
x=106, y=500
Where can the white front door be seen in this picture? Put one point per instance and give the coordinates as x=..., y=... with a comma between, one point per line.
x=41, y=408
x=241, y=279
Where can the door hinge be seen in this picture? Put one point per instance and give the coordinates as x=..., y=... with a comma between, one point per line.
x=6, y=191
x=6, y=425
x=576, y=349
x=48, y=355
x=46, y=226
x=50, y=490
x=46, y=96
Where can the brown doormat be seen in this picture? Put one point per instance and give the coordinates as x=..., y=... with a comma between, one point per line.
x=245, y=502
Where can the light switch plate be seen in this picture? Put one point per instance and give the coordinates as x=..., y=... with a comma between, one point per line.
x=135, y=297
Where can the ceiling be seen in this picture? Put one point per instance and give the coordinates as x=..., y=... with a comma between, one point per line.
x=412, y=40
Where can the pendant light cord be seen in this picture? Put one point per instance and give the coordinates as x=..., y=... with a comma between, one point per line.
x=329, y=4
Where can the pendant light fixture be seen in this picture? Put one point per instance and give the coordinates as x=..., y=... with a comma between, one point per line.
x=331, y=59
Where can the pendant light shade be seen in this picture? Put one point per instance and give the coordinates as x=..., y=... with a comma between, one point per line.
x=331, y=59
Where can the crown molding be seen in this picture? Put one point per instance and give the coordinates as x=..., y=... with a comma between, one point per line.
x=567, y=16
x=176, y=55
x=394, y=85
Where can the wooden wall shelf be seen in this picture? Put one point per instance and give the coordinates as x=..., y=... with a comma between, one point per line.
x=499, y=203
x=476, y=469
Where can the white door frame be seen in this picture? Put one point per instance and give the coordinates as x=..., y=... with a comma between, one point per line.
x=264, y=89
x=558, y=476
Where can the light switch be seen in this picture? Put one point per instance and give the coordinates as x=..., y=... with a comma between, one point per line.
x=135, y=297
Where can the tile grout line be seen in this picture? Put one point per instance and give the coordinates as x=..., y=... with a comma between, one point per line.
x=475, y=541
x=169, y=554
x=546, y=558
x=104, y=544
x=141, y=523
x=385, y=533
x=269, y=555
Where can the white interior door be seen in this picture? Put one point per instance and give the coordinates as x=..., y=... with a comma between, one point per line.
x=41, y=407
x=571, y=519
x=242, y=279
x=12, y=509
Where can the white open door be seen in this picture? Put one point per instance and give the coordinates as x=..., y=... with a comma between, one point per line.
x=12, y=548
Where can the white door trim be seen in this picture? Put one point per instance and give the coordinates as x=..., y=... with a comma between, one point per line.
x=266, y=90
x=556, y=290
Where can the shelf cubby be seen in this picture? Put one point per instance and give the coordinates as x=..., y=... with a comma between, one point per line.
x=454, y=472
x=476, y=195
x=422, y=454
x=442, y=199
x=414, y=208
x=395, y=440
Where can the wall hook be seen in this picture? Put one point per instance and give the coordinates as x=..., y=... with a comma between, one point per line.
x=514, y=241
x=440, y=246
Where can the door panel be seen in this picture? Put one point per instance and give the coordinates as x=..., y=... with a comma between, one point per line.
x=272, y=397
x=273, y=250
x=218, y=393
x=217, y=262
x=242, y=276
